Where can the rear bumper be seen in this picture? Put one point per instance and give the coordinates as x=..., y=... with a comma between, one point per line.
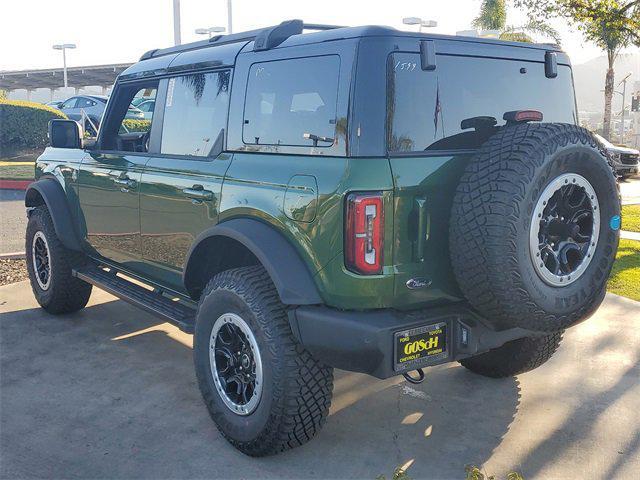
x=364, y=341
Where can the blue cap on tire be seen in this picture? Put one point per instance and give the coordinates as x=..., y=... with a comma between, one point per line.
x=614, y=222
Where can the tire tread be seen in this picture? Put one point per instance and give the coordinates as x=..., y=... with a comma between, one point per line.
x=515, y=357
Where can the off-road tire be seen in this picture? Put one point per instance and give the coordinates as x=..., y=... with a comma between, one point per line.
x=491, y=216
x=65, y=293
x=297, y=389
x=515, y=357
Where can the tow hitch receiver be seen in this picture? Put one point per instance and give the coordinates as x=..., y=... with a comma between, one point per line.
x=413, y=380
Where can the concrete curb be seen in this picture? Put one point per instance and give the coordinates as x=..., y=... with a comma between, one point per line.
x=12, y=256
x=14, y=184
x=629, y=235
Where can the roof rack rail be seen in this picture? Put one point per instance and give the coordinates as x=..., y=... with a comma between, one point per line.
x=321, y=26
x=265, y=38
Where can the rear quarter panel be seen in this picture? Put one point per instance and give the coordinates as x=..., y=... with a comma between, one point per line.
x=256, y=186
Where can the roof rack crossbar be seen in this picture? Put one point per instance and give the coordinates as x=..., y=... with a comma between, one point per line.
x=272, y=37
x=265, y=38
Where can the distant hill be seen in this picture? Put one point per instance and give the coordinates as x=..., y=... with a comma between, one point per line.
x=589, y=81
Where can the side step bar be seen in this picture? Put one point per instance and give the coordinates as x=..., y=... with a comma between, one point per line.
x=153, y=302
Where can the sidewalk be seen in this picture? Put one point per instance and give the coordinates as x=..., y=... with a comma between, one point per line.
x=629, y=235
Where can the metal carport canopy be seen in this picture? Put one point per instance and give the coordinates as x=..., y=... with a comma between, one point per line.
x=78, y=77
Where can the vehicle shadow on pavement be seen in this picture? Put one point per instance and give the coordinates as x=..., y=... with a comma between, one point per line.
x=453, y=419
x=597, y=430
x=575, y=426
x=110, y=392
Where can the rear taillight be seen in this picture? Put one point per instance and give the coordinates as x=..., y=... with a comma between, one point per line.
x=364, y=233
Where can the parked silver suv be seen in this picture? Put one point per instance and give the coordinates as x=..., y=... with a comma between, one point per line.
x=625, y=161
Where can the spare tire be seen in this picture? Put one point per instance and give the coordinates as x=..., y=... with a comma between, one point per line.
x=534, y=227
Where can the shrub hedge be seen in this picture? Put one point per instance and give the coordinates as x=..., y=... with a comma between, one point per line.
x=23, y=125
x=135, y=125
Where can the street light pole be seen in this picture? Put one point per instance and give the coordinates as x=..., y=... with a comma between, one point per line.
x=176, y=22
x=64, y=47
x=624, y=97
x=229, y=18
x=64, y=66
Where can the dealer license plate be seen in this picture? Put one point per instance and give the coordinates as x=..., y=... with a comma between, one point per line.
x=420, y=346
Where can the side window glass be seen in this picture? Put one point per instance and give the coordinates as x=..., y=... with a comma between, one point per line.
x=147, y=106
x=84, y=103
x=292, y=102
x=195, y=113
x=135, y=120
x=71, y=103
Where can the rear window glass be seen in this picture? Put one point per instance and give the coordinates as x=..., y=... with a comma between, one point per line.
x=426, y=108
x=289, y=102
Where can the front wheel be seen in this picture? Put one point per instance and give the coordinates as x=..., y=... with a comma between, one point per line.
x=264, y=391
x=49, y=264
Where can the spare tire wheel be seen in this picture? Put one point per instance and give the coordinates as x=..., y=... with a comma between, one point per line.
x=534, y=227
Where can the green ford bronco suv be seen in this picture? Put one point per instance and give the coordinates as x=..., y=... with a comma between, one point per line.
x=357, y=198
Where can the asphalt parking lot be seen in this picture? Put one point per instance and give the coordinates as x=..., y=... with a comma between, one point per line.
x=110, y=393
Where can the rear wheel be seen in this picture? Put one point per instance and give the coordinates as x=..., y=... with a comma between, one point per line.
x=49, y=264
x=515, y=357
x=264, y=391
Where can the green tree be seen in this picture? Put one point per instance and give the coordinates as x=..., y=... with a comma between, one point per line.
x=493, y=16
x=611, y=24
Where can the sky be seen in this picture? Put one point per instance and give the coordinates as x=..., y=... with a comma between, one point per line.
x=114, y=31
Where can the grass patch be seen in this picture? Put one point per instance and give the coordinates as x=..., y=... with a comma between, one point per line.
x=474, y=473
x=631, y=218
x=625, y=275
x=17, y=172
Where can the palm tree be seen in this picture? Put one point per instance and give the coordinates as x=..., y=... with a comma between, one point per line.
x=609, y=32
x=611, y=24
x=493, y=16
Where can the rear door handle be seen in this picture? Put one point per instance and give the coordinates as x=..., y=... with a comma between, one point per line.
x=197, y=192
x=422, y=228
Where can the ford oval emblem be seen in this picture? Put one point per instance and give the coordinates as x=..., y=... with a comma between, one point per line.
x=416, y=283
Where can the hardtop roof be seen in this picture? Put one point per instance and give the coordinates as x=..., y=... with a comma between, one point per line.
x=223, y=49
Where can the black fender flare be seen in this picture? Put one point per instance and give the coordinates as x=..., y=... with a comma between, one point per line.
x=56, y=201
x=289, y=273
